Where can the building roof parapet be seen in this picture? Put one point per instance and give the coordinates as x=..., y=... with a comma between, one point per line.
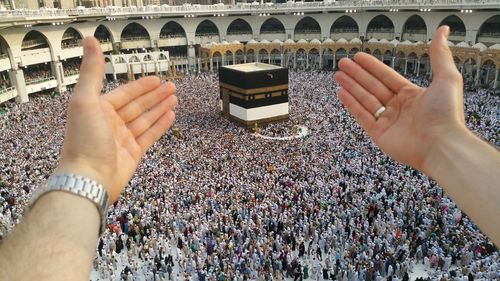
x=244, y=7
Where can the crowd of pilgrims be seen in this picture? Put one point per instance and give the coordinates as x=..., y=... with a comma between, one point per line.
x=218, y=203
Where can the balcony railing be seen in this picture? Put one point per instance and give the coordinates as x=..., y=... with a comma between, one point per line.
x=39, y=80
x=5, y=90
x=255, y=6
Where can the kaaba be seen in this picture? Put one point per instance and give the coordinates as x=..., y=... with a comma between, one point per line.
x=253, y=93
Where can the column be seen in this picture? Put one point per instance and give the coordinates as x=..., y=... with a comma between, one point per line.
x=406, y=65
x=191, y=51
x=281, y=59
x=418, y=67
x=234, y=59
x=17, y=79
x=478, y=71
x=269, y=58
x=320, y=61
x=294, y=60
x=495, y=83
x=307, y=60
x=393, y=62
x=245, y=58
x=58, y=72
x=199, y=65
x=211, y=64
x=334, y=63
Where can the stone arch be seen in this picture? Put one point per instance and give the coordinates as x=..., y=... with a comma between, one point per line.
x=412, y=63
x=307, y=28
x=228, y=57
x=327, y=58
x=162, y=56
x=207, y=28
x=344, y=27
x=133, y=31
x=387, y=57
x=239, y=26
x=414, y=29
x=217, y=58
x=367, y=50
x=380, y=27
x=263, y=55
x=488, y=68
x=71, y=38
x=457, y=28
x=339, y=54
x=313, y=58
x=239, y=56
x=275, y=56
x=147, y=57
x=399, y=61
x=120, y=59
x=469, y=68
x=353, y=51
x=425, y=64
x=34, y=40
x=489, y=32
x=4, y=46
x=134, y=59
x=172, y=29
x=301, y=58
x=272, y=25
x=250, y=55
x=377, y=53
x=103, y=34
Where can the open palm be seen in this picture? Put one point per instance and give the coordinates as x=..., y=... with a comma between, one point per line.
x=415, y=117
x=107, y=135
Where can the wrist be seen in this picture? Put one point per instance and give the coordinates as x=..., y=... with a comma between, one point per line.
x=78, y=186
x=84, y=170
x=445, y=148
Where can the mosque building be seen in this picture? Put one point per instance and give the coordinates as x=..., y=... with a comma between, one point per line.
x=40, y=41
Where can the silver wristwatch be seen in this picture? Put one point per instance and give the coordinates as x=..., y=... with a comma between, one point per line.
x=78, y=185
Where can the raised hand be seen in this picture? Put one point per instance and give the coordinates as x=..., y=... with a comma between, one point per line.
x=415, y=118
x=106, y=135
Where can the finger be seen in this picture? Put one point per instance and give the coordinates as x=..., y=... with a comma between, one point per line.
x=89, y=85
x=138, y=106
x=443, y=65
x=362, y=116
x=146, y=120
x=122, y=95
x=382, y=72
x=365, y=98
x=366, y=80
x=156, y=131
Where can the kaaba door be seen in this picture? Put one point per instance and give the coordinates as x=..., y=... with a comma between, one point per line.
x=225, y=104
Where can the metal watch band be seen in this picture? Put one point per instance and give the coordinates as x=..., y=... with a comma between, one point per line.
x=78, y=185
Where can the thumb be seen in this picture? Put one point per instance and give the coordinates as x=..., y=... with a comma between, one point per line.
x=443, y=65
x=91, y=71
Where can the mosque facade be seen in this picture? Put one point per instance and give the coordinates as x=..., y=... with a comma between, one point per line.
x=162, y=39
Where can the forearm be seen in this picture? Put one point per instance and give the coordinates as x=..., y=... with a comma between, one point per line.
x=469, y=171
x=55, y=241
